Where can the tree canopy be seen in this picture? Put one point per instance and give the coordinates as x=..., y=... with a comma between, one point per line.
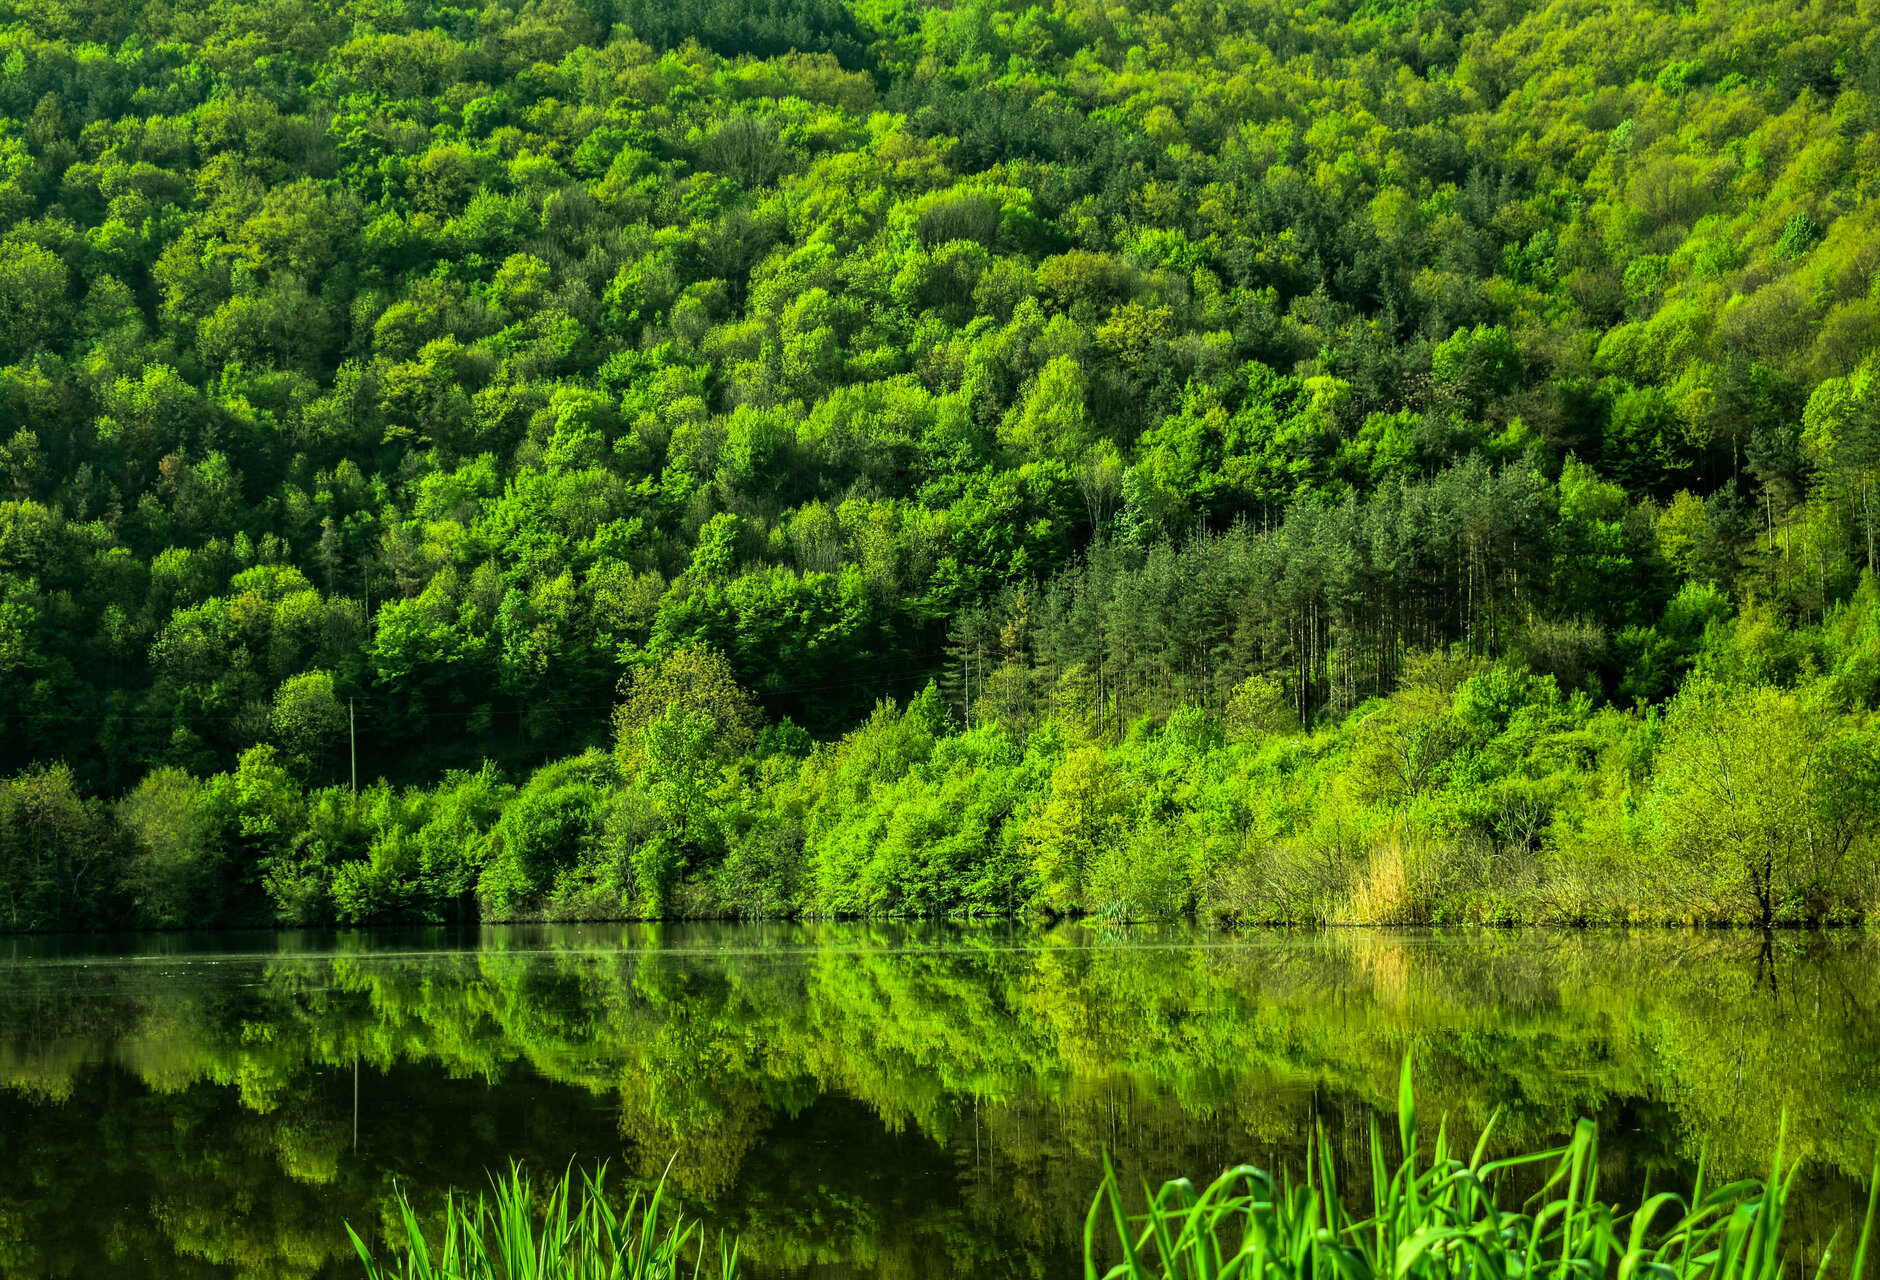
x=446, y=367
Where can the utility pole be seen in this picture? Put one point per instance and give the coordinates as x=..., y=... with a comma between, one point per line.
x=352, y=732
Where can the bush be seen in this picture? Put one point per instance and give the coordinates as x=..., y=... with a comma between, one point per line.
x=176, y=873
x=763, y=875
x=544, y=833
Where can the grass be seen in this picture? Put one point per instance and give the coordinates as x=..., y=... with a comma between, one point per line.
x=1443, y=1222
x=1440, y=1221
x=514, y=1234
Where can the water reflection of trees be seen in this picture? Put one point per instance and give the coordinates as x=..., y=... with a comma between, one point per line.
x=953, y=1090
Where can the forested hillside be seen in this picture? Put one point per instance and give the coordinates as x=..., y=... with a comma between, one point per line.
x=1305, y=447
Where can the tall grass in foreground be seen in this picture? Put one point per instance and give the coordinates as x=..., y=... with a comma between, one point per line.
x=514, y=1235
x=1443, y=1221
x=1439, y=1222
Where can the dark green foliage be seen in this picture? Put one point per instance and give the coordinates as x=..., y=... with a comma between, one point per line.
x=758, y=28
x=60, y=855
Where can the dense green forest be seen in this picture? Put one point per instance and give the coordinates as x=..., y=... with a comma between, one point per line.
x=1379, y=462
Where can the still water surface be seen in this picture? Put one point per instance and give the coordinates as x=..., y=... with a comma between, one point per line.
x=918, y=1101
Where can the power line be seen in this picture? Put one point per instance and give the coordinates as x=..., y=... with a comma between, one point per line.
x=198, y=717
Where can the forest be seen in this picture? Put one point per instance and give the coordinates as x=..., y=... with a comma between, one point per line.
x=1367, y=462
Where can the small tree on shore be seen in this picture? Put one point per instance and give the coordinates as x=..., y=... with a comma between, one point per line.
x=682, y=720
x=1763, y=796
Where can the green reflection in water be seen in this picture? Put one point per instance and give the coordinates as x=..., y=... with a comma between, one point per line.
x=892, y=1101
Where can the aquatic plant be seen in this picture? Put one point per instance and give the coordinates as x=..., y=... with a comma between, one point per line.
x=514, y=1234
x=1444, y=1220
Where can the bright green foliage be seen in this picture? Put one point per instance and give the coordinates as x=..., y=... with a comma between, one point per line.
x=386, y=854
x=454, y=365
x=1444, y=1220
x=544, y=833
x=675, y=769
x=561, y=1236
x=1476, y=789
x=899, y=823
x=307, y=719
x=1087, y=799
x=177, y=873
x=1841, y=433
x=690, y=705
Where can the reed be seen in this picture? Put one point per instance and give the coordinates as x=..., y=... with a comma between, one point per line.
x=1442, y=1221
x=517, y=1233
x=1437, y=1221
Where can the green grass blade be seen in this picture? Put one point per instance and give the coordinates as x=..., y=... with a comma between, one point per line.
x=1859, y=1270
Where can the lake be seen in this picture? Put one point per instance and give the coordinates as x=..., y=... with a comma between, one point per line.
x=871, y=1100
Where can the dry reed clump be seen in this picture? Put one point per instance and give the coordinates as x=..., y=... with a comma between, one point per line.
x=1401, y=884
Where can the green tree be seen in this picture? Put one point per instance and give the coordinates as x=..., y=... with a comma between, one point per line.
x=696, y=682
x=32, y=297
x=544, y=833
x=176, y=873
x=1841, y=431
x=60, y=855
x=307, y=719
x=1085, y=810
x=678, y=756
x=1754, y=797
x=260, y=809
